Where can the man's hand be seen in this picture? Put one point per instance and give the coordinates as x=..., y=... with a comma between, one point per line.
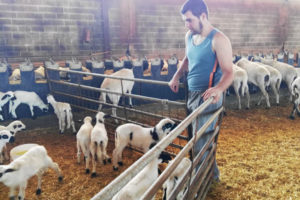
x=174, y=84
x=212, y=92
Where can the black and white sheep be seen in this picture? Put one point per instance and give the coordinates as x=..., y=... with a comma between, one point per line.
x=139, y=137
x=176, y=177
x=4, y=98
x=34, y=162
x=136, y=187
x=63, y=112
x=257, y=75
x=29, y=98
x=83, y=138
x=117, y=85
x=296, y=95
x=240, y=82
x=99, y=141
x=13, y=128
x=5, y=137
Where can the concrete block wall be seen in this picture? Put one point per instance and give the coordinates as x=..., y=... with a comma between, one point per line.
x=42, y=28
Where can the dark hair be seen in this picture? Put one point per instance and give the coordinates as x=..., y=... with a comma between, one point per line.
x=197, y=7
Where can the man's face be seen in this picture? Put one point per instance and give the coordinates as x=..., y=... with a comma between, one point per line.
x=193, y=23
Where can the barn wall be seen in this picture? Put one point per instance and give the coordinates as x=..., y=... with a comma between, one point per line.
x=49, y=27
x=58, y=28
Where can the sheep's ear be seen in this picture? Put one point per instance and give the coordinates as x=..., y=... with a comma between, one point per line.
x=166, y=157
x=4, y=97
x=9, y=170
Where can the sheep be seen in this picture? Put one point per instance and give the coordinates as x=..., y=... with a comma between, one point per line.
x=4, y=98
x=99, y=142
x=34, y=162
x=136, y=187
x=116, y=85
x=16, y=75
x=257, y=75
x=275, y=80
x=5, y=137
x=288, y=72
x=63, y=112
x=240, y=81
x=139, y=137
x=296, y=94
x=83, y=138
x=13, y=128
x=29, y=98
x=176, y=176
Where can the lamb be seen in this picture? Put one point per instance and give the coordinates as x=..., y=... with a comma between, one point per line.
x=288, y=72
x=176, y=177
x=296, y=94
x=4, y=98
x=139, y=137
x=257, y=75
x=13, y=128
x=99, y=142
x=34, y=162
x=83, y=138
x=136, y=187
x=5, y=137
x=63, y=112
x=29, y=98
x=240, y=81
x=275, y=80
x=116, y=85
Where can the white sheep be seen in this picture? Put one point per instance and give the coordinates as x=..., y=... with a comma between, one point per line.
x=63, y=112
x=34, y=162
x=139, y=137
x=13, y=128
x=296, y=94
x=257, y=75
x=4, y=98
x=116, y=85
x=29, y=98
x=275, y=80
x=176, y=176
x=99, y=141
x=136, y=187
x=5, y=137
x=288, y=72
x=83, y=138
x=240, y=81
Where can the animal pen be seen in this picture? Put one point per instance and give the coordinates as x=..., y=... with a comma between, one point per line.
x=85, y=98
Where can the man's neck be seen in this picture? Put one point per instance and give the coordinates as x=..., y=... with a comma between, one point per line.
x=206, y=30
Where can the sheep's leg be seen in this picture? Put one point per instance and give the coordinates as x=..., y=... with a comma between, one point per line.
x=130, y=99
x=102, y=98
x=236, y=90
x=62, y=124
x=94, y=162
x=14, y=105
x=39, y=175
x=55, y=167
x=72, y=123
x=117, y=156
x=78, y=152
x=106, y=157
x=12, y=192
x=1, y=117
x=22, y=189
x=248, y=96
x=276, y=93
x=262, y=89
x=87, y=160
x=31, y=111
x=114, y=113
x=292, y=115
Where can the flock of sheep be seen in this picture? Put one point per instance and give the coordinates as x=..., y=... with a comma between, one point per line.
x=265, y=73
x=92, y=139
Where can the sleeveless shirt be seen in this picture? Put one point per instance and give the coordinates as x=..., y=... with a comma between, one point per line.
x=201, y=62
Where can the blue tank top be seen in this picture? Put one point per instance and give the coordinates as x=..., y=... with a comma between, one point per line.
x=201, y=63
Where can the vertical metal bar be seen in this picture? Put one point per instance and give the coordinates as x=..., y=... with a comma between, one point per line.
x=105, y=28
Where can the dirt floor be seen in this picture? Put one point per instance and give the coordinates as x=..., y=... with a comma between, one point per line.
x=258, y=155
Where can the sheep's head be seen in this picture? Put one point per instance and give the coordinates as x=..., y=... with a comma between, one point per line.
x=6, y=136
x=100, y=116
x=5, y=169
x=87, y=119
x=16, y=126
x=8, y=96
x=164, y=127
x=50, y=98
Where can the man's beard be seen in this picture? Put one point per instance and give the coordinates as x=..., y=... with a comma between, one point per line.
x=200, y=29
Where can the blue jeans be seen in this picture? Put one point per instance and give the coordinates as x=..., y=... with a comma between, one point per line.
x=194, y=101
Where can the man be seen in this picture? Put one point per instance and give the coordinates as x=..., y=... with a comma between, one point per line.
x=208, y=62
